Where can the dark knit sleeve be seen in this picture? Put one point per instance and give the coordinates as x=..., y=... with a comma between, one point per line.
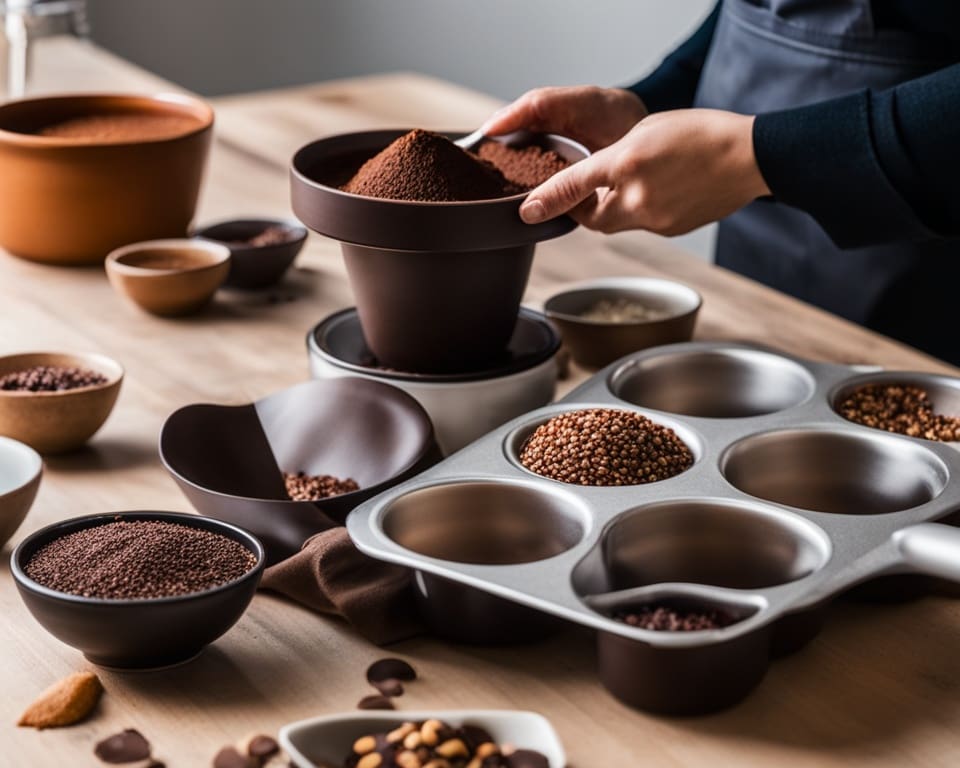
x=872, y=167
x=673, y=84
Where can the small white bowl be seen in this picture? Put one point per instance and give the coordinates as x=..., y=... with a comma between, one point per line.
x=20, y=471
x=462, y=407
x=329, y=739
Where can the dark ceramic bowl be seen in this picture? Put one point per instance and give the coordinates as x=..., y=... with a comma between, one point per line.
x=137, y=634
x=438, y=285
x=596, y=343
x=255, y=266
x=229, y=460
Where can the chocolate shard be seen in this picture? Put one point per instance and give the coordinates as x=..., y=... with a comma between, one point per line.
x=128, y=746
x=389, y=687
x=390, y=668
x=375, y=701
x=262, y=746
x=527, y=758
x=230, y=757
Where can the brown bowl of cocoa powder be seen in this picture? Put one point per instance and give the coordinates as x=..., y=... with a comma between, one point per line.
x=435, y=249
x=81, y=175
x=136, y=590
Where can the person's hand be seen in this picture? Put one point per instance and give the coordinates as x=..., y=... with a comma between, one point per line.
x=596, y=117
x=672, y=173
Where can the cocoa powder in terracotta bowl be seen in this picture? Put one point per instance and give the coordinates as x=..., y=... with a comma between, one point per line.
x=438, y=284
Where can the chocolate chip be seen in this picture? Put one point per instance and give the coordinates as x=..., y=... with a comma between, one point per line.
x=389, y=687
x=527, y=758
x=375, y=701
x=385, y=669
x=128, y=746
x=262, y=746
x=229, y=757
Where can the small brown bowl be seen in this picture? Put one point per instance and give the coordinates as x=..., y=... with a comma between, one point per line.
x=254, y=266
x=72, y=200
x=596, y=343
x=20, y=472
x=56, y=422
x=169, y=278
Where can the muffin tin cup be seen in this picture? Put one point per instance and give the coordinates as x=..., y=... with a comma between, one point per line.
x=785, y=506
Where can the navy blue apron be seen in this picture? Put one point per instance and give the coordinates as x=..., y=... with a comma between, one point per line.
x=768, y=55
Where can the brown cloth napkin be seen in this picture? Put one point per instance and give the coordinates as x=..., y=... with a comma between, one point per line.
x=330, y=575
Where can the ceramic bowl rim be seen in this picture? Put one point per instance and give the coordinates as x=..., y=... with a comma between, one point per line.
x=249, y=541
x=202, y=111
x=113, y=379
x=34, y=457
x=623, y=284
x=218, y=250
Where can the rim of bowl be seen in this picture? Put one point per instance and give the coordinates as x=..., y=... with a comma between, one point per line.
x=624, y=284
x=251, y=542
x=221, y=251
x=34, y=457
x=372, y=490
x=113, y=378
x=302, y=232
x=295, y=170
x=519, y=366
x=204, y=113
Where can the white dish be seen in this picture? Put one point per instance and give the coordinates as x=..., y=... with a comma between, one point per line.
x=322, y=741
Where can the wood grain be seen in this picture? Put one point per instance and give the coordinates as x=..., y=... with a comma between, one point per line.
x=880, y=687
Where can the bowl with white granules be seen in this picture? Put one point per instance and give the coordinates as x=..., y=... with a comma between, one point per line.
x=138, y=590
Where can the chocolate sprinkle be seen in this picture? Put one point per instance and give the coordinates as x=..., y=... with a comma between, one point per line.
x=375, y=701
x=128, y=746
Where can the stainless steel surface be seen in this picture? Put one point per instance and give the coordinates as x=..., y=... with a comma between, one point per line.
x=470, y=140
x=785, y=505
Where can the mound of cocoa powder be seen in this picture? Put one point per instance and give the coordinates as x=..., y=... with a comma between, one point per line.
x=422, y=166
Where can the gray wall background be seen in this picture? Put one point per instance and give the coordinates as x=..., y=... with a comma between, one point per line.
x=502, y=47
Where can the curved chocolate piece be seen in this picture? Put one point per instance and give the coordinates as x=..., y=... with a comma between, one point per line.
x=375, y=701
x=128, y=746
x=390, y=668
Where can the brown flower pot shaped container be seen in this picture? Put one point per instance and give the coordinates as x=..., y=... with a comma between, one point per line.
x=72, y=200
x=438, y=285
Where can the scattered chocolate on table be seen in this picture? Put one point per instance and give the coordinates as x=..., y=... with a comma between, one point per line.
x=623, y=310
x=605, y=446
x=256, y=751
x=438, y=744
x=128, y=746
x=386, y=675
x=50, y=378
x=139, y=559
x=667, y=618
x=375, y=701
x=903, y=409
x=303, y=487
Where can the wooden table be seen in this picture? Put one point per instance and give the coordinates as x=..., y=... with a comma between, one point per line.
x=880, y=687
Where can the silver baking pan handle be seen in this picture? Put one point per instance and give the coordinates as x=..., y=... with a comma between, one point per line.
x=931, y=548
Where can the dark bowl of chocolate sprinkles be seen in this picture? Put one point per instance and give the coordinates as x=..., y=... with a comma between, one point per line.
x=56, y=401
x=261, y=250
x=138, y=590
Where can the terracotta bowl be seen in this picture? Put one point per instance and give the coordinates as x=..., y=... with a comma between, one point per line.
x=170, y=278
x=20, y=471
x=56, y=422
x=72, y=201
x=596, y=343
x=137, y=634
x=438, y=285
x=255, y=266
x=229, y=460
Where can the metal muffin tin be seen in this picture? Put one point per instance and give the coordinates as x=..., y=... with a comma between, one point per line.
x=786, y=505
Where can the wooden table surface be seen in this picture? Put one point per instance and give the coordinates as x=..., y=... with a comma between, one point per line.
x=879, y=687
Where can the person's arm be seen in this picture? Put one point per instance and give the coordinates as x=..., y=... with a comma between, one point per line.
x=673, y=84
x=871, y=167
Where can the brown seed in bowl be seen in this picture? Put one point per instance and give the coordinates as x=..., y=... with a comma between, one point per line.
x=304, y=487
x=667, y=618
x=603, y=446
x=903, y=409
x=50, y=378
x=64, y=703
